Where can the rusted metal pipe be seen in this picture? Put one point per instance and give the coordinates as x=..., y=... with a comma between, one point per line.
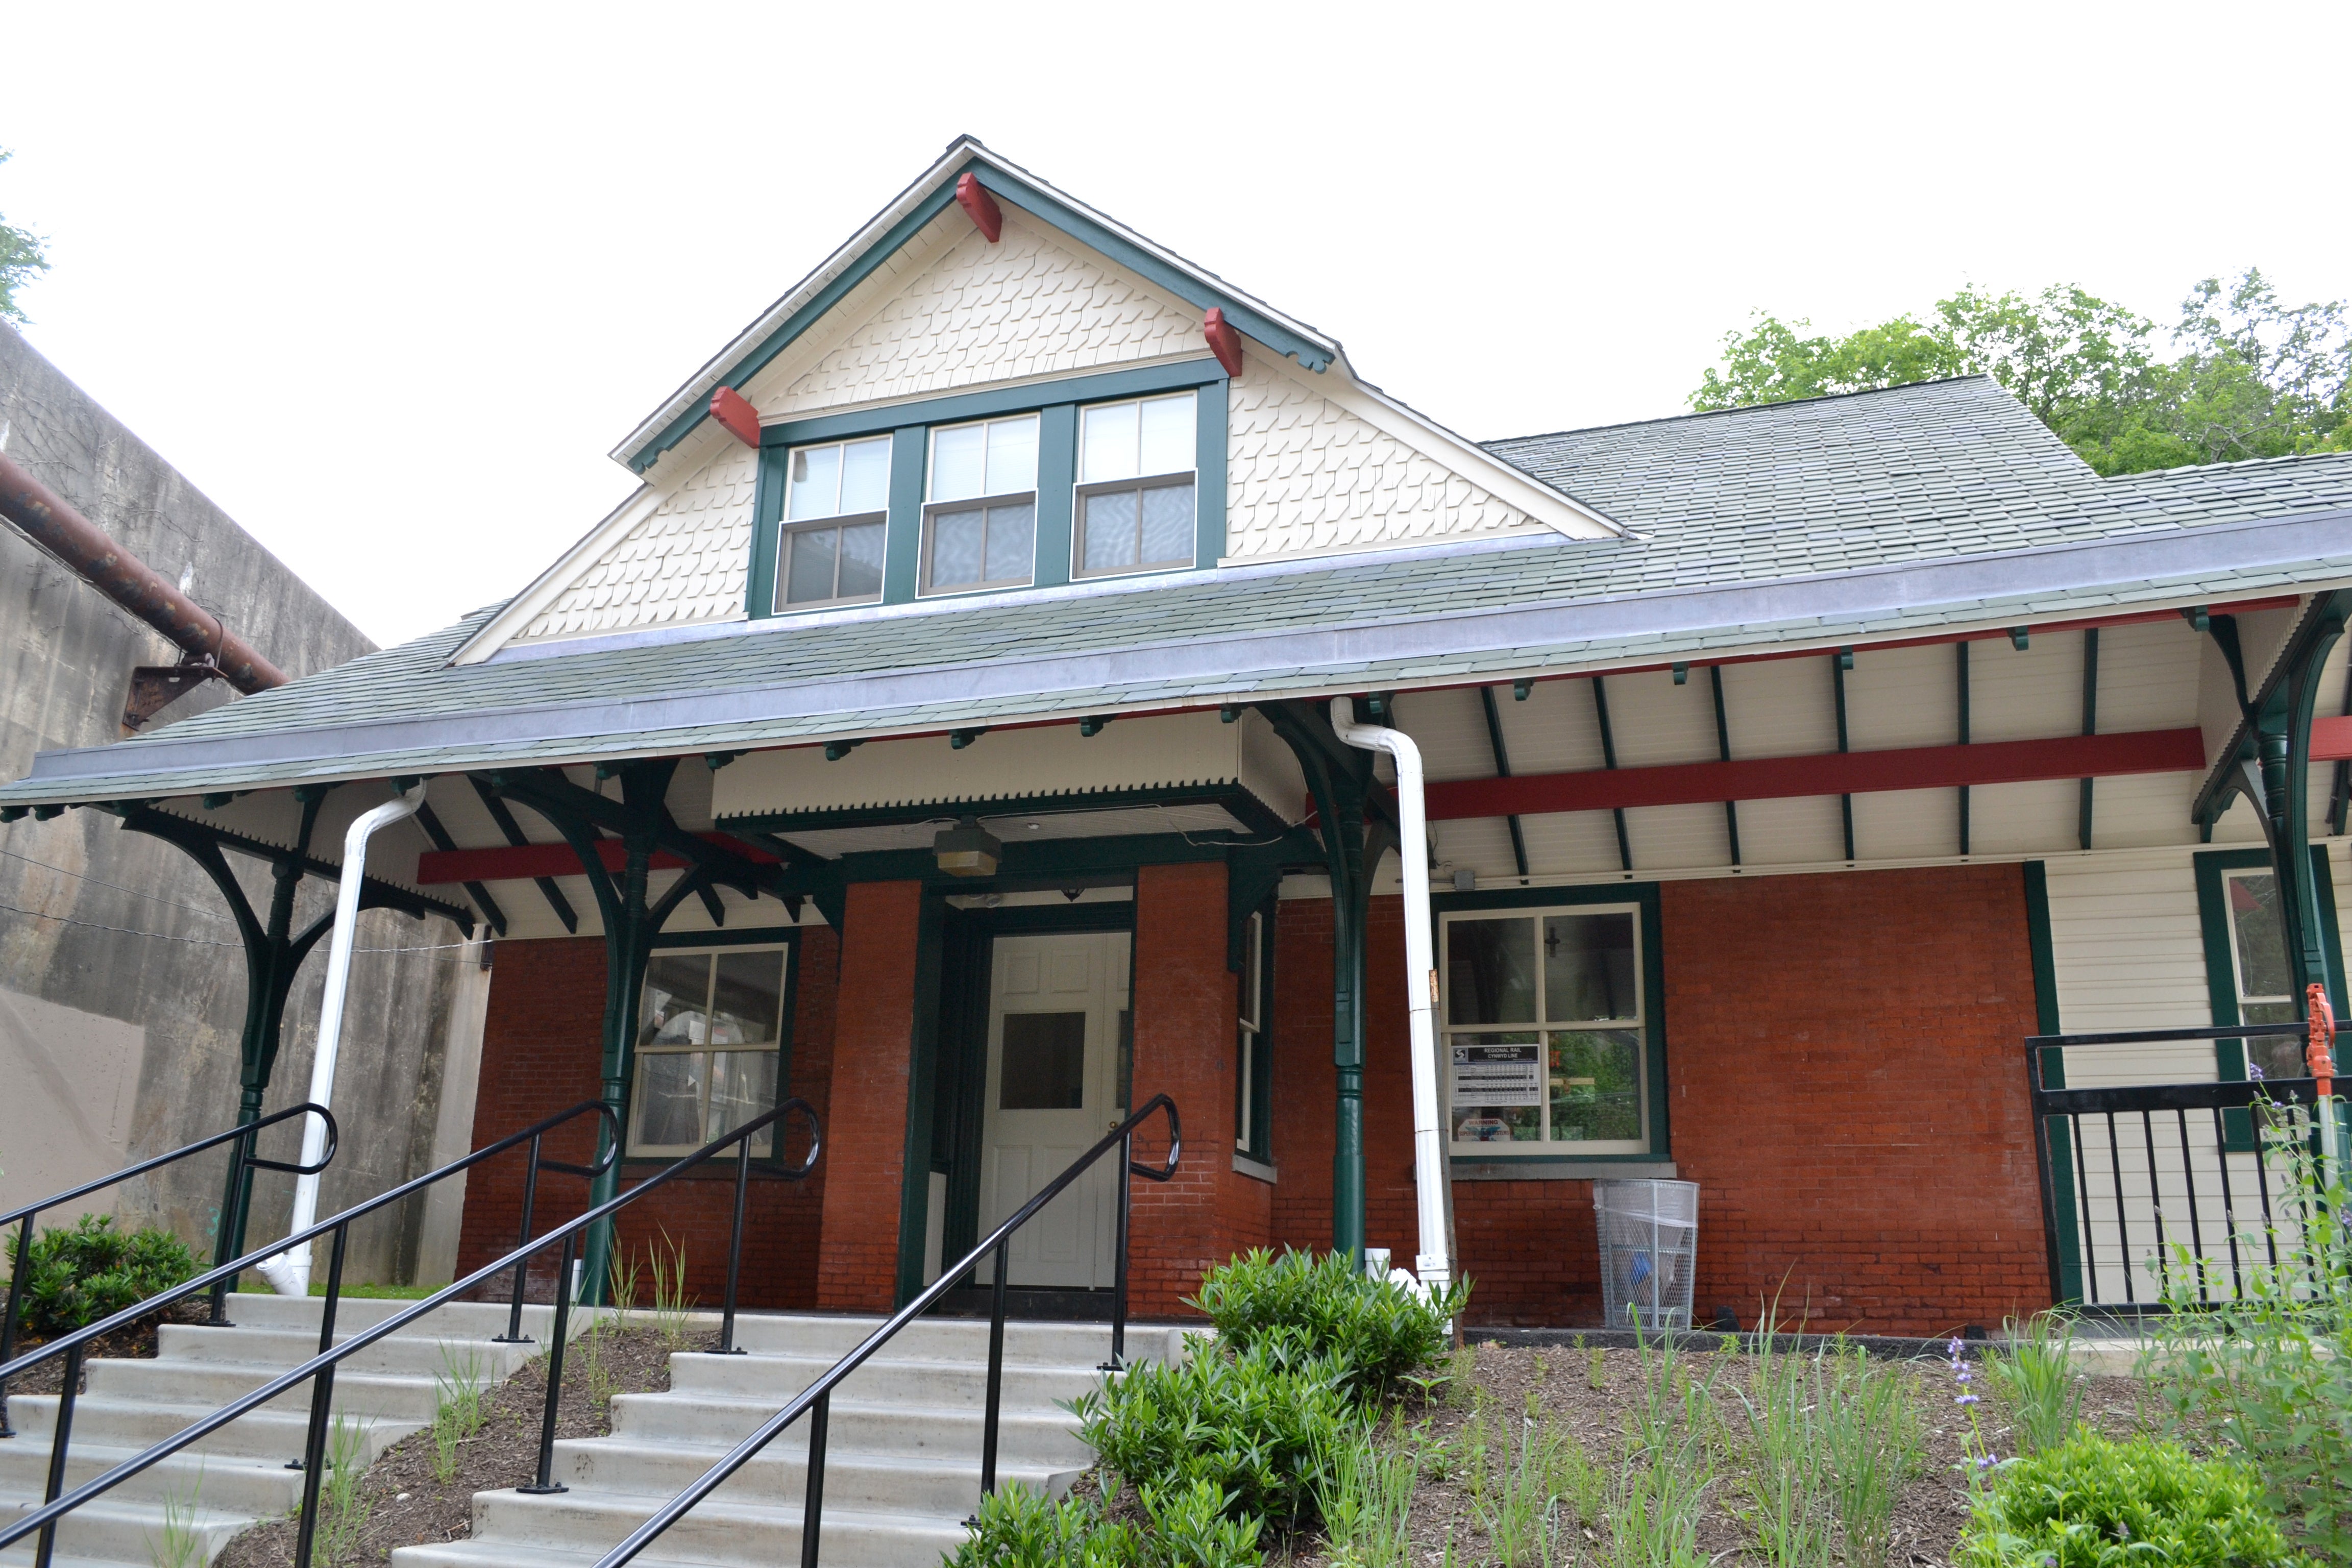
x=130, y=582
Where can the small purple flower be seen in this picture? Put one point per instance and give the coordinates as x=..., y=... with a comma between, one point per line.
x=1960, y=1374
x=1986, y=1462
x=1964, y=1399
x=1954, y=1348
x=2255, y=1072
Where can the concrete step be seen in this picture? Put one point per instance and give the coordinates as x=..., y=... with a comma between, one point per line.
x=882, y=1380
x=861, y=1481
x=578, y=1526
x=236, y=1477
x=903, y=1447
x=1025, y=1434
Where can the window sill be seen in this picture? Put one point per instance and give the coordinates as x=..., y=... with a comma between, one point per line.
x=1540, y=1168
x=1255, y=1170
x=718, y=1167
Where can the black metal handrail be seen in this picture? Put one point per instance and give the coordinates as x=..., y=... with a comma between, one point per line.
x=216, y=1280
x=242, y=1134
x=2072, y=1107
x=816, y=1399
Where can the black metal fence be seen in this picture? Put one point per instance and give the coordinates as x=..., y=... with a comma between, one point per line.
x=2143, y=1182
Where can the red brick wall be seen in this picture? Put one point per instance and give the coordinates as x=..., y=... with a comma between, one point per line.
x=1844, y=1084
x=1185, y=1014
x=874, y=1051
x=541, y=1051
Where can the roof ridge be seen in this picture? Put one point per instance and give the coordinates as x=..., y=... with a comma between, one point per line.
x=1748, y=409
x=2215, y=468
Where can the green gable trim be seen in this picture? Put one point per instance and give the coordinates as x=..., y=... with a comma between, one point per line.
x=799, y=322
x=1654, y=1003
x=1056, y=403
x=956, y=408
x=1245, y=316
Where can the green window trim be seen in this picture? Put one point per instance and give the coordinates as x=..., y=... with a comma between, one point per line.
x=1058, y=404
x=1654, y=1007
x=2221, y=964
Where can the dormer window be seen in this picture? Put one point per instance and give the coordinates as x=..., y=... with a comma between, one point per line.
x=1135, y=486
x=835, y=500
x=980, y=524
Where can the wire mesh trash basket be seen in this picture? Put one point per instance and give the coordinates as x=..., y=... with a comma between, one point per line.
x=1649, y=1252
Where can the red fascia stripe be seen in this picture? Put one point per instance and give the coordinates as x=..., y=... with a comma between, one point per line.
x=1834, y=773
x=522, y=862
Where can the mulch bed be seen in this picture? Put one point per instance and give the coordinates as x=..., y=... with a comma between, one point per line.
x=405, y=1504
x=134, y=1342
x=1590, y=1402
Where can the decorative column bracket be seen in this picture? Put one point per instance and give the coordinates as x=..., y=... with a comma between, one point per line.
x=2268, y=761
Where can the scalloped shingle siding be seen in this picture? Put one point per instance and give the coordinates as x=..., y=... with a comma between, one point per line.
x=1306, y=475
x=1024, y=306
x=684, y=563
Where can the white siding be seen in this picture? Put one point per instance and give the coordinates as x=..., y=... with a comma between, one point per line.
x=1778, y=707
x=1910, y=824
x=1656, y=722
x=1572, y=844
x=1809, y=830
x=1556, y=731
x=1306, y=475
x=1905, y=696
x=682, y=564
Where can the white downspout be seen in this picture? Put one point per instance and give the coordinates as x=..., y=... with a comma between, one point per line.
x=1430, y=1175
x=288, y=1272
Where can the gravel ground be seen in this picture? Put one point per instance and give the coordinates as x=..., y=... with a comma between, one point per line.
x=402, y=1502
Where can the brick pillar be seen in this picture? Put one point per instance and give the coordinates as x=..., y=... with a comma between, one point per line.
x=1184, y=1024
x=866, y=1124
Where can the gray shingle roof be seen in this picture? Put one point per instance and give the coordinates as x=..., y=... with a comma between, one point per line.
x=1839, y=519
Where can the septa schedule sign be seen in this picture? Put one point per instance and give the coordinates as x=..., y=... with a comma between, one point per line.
x=1497, y=1075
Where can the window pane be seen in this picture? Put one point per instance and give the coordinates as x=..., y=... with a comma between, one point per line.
x=955, y=548
x=1045, y=1062
x=2262, y=943
x=1169, y=425
x=865, y=475
x=816, y=483
x=749, y=999
x=808, y=568
x=1012, y=455
x=959, y=462
x=669, y=1100
x=677, y=989
x=1110, y=444
x=1589, y=967
x=742, y=1086
x=1490, y=971
x=1012, y=542
x=1497, y=1088
x=1110, y=531
x=1167, y=525
x=1596, y=1086
x=861, y=560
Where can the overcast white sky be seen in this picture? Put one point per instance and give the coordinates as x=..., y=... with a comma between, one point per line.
x=388, y=287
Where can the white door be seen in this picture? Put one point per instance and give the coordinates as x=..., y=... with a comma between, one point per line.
x=1056, y=1008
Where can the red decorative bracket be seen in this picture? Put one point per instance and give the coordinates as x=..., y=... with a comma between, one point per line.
x=1224, y=341
x=727, y=406
x=973, y=197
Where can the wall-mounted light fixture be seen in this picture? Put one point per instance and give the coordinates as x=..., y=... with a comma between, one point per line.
x=967, y=849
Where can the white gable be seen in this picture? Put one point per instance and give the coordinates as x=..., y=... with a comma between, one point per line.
x=1032, y=304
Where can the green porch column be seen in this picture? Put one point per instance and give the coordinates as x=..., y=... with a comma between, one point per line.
x=628, y=943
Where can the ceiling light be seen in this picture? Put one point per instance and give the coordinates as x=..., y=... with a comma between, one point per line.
x=967, y=849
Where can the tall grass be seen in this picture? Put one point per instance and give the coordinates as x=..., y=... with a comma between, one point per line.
x=459, y=1389
x=1366, y=1499
x=671, y=1303
x=2035, y=1381
x=342, y=1518
x=183, y=1543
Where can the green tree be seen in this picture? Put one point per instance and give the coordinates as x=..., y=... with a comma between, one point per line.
x=21, y=260
x=2250, y=378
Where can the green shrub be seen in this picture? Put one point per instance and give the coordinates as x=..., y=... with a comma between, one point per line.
x=1017, y=1527
x=74, y=1277
x=2093, y=1503
x=1374, y=1331
x=1255, y=1425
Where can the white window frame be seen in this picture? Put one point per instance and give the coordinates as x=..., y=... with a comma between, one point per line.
x=1637, y=1025
x=932, y=508
x=1250, y=1035
x=2237, y=959
x=789, y=525
x=636, y=1149
x=1083, y=489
